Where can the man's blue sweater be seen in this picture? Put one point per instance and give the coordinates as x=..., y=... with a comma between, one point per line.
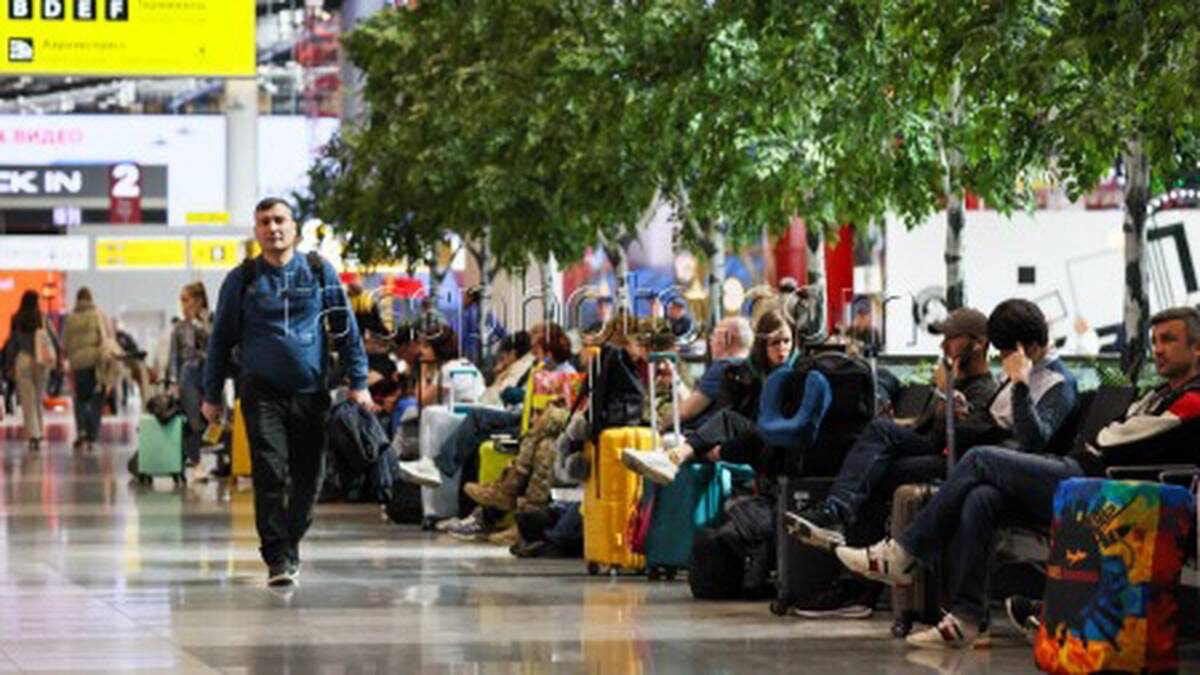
x=277, y=321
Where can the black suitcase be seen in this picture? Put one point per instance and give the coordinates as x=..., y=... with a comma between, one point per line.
x=802, y=571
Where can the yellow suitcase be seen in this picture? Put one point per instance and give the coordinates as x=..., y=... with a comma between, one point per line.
x=610, y=499
x=494, y=457
x=240, y=453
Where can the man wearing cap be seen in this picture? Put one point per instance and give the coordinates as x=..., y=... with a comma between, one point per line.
x=919, y=448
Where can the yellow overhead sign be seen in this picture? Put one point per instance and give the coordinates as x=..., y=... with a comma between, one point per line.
x=213, y=218
x=127, y=37
x=114, y=253
x=212, y=253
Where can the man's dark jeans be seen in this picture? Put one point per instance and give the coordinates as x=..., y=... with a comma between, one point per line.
x=287, y=434
x=89, y=402
x=868, y=463
x=988, y=488
x=477, y=427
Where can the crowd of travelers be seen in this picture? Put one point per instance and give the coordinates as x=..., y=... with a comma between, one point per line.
x=996, y=446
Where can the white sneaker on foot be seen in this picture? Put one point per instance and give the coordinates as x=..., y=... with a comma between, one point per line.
x=653, y=464
x=422, y=472
x=950, y=633
x=884, y=561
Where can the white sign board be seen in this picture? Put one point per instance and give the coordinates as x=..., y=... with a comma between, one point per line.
x=44, y=252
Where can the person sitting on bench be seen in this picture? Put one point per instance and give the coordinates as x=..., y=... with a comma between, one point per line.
x=996, y=486
x=1025, y=413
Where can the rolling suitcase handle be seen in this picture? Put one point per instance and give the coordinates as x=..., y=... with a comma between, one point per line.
x=670, y=359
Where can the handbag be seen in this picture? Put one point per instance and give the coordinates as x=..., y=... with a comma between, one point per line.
x=639, y=525
x=44, y=352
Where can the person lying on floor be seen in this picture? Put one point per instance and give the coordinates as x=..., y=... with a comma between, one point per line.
x=994, y=486
x=730, y=434
x=1025, y=413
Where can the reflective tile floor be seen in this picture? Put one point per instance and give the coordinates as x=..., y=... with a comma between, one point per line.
x=99, y=574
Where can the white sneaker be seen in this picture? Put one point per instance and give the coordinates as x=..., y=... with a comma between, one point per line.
x=885, y=561
x=422, y=472
x=950, y=633
x=653, y=464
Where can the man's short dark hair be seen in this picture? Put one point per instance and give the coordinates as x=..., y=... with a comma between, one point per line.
x=271, y=202
x=1016, y=321
x=1190, y=316
x=518, y=343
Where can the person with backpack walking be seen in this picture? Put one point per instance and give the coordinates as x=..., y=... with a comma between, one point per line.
x=282, y=310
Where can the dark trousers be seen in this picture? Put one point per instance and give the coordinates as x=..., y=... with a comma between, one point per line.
x=287, y=434
x=988, y=488
x=477, y=427
x=89, y=401
x=868, y=463
x=738, y=436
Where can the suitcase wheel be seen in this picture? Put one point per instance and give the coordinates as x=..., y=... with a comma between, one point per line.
x=145, y=479
x=672, y=573
x=593, y=568
x=653, y=573
x=902, y=627
x=779, y=608
x=179, y=479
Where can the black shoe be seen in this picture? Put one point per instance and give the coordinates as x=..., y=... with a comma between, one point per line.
x=34, y=444
x=527, y=549
x=846, y=599
x=80, y=443
x=818, y=527
x=283, y=574
x=1025, y=614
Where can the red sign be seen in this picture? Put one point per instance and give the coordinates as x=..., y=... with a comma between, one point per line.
x=125, y=194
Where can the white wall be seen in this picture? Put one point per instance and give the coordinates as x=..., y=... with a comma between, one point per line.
x=1076, y=255
x=191, y=146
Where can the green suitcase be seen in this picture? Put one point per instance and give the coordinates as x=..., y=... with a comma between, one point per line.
x=160, y=448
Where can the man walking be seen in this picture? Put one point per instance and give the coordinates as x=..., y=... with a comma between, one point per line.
x=276, y=308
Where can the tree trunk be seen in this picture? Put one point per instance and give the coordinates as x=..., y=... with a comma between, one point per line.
x=955, y=286
x=814, y=271
x=956, y=291
x=716, y=273
x=483, y=257
x=550, y=303
x=1137, y=303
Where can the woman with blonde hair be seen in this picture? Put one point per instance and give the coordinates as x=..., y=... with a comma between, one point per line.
x=185, y=369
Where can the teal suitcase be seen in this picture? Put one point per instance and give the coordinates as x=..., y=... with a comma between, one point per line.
x=694, y=500
x=160, y=448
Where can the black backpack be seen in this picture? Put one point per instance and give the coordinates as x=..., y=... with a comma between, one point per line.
x=617, y=394
x=741, y=387
x=852, y=384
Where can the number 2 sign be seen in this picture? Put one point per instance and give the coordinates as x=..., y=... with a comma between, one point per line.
x=125, y=194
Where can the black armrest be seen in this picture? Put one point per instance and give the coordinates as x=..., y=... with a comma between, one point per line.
x=1162, y=473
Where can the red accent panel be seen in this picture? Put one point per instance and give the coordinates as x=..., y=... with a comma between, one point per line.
x=789, y=254
x=839, y=275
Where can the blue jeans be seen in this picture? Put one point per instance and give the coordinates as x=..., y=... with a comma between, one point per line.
x=478, y=426
x=89, y=402
x=990, y=487
x=868, y=462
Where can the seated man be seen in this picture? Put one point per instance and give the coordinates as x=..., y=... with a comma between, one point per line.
x=993, y=486
x=729, y=345
x=1025, y=413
